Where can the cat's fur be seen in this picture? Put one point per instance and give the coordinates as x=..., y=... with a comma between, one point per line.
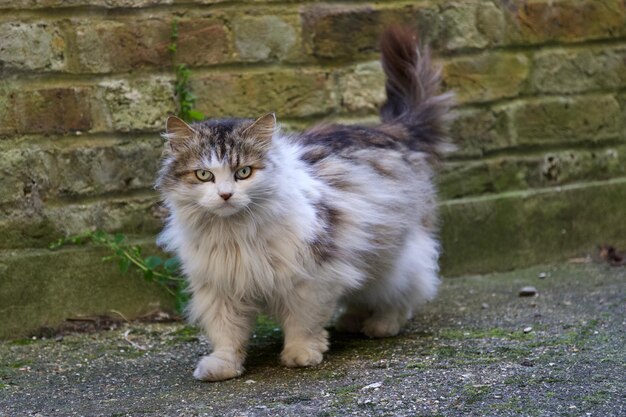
x=338, y=216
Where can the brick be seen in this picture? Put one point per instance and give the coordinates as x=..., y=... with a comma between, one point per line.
x=119, y=46
x=139, y=104
x=267, y=38
x=70, y=168
x=8, y=119
x=51, y=110
x=362, y=88
x=340, y=32
x=289, y=93
x=486, y=77
x=109, y=4
x=34, y=223
x=547, y=169
x=566, y=71
x=32, y=46
x=540, y=21
x=585, y=118
x=477, y=130
x=529, y=228
x=470, y=25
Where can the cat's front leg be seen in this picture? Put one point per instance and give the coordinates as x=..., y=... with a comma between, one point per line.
x=303, y=316
x=228, y=324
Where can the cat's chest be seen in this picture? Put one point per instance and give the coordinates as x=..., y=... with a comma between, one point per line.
x=257, y=262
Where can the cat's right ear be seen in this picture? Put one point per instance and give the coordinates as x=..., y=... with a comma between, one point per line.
x=177, y=132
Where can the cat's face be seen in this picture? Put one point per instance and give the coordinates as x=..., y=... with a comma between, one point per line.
x=219, y=167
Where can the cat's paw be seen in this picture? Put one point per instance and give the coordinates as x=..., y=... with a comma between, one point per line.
x=302, y=355
x=212, y=368
x=377, y=327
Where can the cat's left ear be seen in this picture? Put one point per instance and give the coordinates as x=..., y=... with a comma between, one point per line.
x=178, y=132
x=262, y=129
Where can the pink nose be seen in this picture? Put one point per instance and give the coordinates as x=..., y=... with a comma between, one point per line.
x=226, y=196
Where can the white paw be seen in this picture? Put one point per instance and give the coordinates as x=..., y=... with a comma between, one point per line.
x=302, y=355
x=212, y=368
x=377, y=327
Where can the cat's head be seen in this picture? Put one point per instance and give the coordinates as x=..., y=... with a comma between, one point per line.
x=219, y=167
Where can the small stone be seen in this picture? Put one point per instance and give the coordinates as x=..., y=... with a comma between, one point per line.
x=527, y=291
x=250, y=381
x=528, y=329
x=542, y=275
x=484, y=306
x=372, y=386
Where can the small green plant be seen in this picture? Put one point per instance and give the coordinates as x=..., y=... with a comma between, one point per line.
x=164, y=272
x=185, y=100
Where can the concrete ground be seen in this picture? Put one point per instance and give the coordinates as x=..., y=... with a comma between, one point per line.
x=479, y=349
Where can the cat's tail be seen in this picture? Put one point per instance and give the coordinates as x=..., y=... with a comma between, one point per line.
x=412, y=88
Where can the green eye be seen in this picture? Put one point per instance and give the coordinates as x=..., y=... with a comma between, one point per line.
x=203, y=175
x=243, y=173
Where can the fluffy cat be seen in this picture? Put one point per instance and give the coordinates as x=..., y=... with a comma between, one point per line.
x=300, y=225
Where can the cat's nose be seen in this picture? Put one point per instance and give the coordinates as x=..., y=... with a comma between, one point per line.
x=226, y=196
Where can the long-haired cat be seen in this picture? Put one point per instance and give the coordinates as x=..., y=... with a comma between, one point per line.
x=300, y=225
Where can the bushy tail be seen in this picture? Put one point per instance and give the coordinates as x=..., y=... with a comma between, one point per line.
x=412, y=93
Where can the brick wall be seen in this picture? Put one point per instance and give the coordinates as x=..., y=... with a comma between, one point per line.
x=541, y=118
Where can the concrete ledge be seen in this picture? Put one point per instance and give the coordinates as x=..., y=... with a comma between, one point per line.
x=42, y=288
x=511, y=230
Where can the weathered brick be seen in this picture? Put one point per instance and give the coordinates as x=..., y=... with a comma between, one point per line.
x=51, y=110
x=8, y=120
x=581, y=69
x=475, y=131
x=267, y=38
x=140, y=104
x=32, y=46
x=36, y=223
x=122, y=45
x=539, y=21
x=486, y=77
x=362, y=88
x=340, y=31
x=509, y=173
x=67, y=167
x=109, y=4
x=470, y=25
x=584, y=118
x=289, y=93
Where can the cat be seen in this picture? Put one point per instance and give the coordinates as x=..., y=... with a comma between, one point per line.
x=298, y=226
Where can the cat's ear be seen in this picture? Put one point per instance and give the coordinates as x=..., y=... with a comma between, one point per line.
x=262, y=129
x=177, y=132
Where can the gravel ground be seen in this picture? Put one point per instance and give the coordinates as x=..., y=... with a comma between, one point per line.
x=479, y=349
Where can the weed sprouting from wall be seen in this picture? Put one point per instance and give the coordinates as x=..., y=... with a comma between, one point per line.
x=185, y=100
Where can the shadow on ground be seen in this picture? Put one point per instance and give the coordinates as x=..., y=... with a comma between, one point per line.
x=479, y=349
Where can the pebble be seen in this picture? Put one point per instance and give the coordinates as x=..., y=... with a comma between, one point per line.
x=374, y=385
x=527, y=291
x=484, y=306
x=528, y=329
x=542, y=275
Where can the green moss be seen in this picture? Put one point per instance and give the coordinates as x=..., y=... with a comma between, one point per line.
x=462, y=334
x=475, y=393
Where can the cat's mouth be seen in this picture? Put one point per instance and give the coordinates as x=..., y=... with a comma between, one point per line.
x=227, y=209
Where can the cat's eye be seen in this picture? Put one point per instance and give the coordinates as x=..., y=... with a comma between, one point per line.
x=204, y=175
x=243, y=173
